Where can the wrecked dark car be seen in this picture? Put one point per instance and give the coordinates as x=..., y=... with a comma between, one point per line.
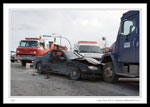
x=65, y=62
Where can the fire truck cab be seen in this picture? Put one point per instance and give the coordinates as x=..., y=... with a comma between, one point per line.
x=29, y=48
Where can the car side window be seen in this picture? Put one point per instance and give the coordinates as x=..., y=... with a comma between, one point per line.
x=61, y=57
x=57, y=56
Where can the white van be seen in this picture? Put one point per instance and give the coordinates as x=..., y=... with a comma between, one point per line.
x=89, y=49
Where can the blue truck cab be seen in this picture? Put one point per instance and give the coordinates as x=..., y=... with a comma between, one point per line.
x=123, y=59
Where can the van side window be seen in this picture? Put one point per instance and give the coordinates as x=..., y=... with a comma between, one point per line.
x=128, y=26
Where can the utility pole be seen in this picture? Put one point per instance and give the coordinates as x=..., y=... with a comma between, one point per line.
x=60, y=39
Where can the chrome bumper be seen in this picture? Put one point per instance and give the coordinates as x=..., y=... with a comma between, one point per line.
x=26, y=57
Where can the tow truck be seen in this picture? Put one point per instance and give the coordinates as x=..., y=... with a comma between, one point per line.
x=32, y=47
x=123, y=60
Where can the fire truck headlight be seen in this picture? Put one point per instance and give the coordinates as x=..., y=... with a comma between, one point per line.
x=34, y=52
x=18, y=51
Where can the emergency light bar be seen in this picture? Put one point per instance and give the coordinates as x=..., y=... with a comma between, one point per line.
x=94, y=42
x=32, y=38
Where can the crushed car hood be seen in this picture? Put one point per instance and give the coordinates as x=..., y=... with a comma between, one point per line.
x=92, y=55
x=89, y=60
x=92, y=60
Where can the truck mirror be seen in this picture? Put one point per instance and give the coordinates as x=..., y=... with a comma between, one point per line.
x=132, y=28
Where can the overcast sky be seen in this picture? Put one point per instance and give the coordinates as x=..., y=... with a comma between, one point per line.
x=74, y=24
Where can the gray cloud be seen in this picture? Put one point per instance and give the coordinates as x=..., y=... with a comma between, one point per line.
x=74, y=24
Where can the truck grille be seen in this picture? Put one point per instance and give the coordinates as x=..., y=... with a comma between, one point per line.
x=26, y=57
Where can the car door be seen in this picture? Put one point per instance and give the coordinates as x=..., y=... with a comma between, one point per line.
x=58, y=63
x=45, y=61
x=128, y=39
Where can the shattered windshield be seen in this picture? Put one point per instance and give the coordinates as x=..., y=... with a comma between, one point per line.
x=71, y=55
x=90, y=49
x=29, y=44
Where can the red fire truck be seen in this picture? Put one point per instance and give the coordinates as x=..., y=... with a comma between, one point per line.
x=29, y=48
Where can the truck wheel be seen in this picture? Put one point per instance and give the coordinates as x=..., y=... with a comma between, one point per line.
x=108, y=73
x=74, y=73
x=39, y=69
x=23, y=63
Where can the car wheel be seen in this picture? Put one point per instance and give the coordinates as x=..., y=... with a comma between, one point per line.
x=74, y=73
x=39, y=69
x=23, y=63
x=108, y=73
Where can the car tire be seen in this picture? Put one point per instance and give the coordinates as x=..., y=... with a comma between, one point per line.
x=74, y=73
x=39, y=69
x=109, y=74
x=23, y=63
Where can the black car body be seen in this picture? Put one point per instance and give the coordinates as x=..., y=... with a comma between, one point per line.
x=65, y=62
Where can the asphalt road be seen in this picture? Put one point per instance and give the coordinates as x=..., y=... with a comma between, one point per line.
x=25, y=82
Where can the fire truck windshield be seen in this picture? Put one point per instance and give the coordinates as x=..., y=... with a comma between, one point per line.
x=90, y=49
x=27, y=43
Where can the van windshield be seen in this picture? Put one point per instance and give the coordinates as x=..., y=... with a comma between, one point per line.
x=90, y=49
x=27, y=43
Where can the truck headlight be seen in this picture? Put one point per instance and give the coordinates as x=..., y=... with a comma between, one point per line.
x=92, y=67
x=34, y=52
x=18, y=51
